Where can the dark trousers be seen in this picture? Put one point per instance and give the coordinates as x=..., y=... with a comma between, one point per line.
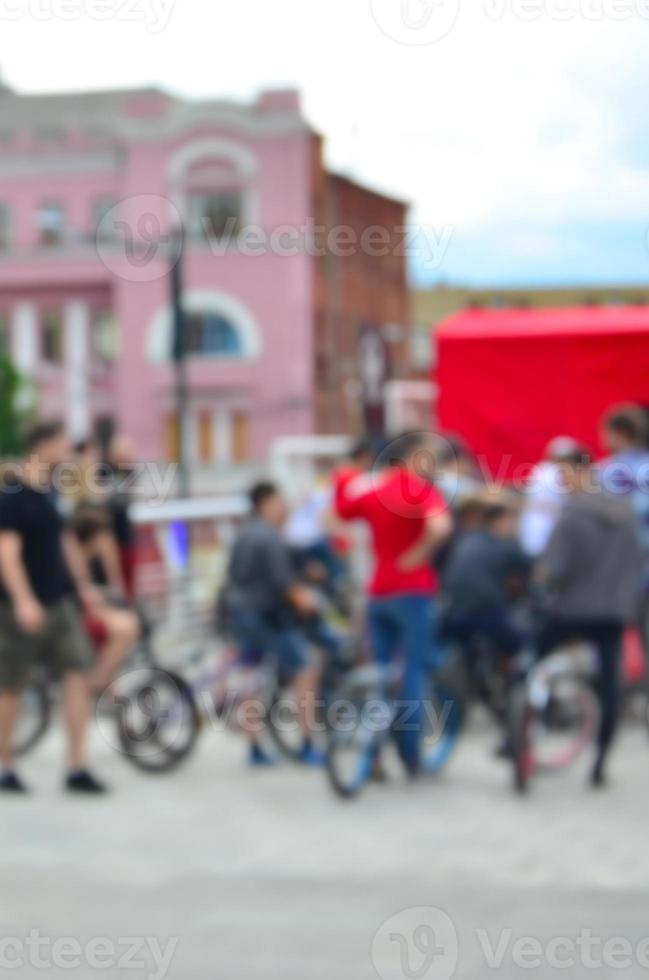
x=494, y=625
x=606, y=637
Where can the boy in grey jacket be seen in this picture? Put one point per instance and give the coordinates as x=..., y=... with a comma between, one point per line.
x=593, y=572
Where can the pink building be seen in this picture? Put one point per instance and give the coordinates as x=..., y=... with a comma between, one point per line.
x=91, y=186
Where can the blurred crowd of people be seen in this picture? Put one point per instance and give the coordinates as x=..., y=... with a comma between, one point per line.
x=450, y=560
x=453, y=558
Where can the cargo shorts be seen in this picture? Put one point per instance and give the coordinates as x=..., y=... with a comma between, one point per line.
x=62, y=646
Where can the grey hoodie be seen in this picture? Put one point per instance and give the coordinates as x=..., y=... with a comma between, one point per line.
x=594, y=561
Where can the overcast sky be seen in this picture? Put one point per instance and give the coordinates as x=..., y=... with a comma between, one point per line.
x=518, y=129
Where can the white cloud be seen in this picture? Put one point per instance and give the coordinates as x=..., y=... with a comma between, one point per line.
x=504, y=117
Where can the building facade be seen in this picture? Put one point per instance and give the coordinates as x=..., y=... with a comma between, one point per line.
x=93, y=190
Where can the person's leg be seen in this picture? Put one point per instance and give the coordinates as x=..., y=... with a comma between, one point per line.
x=72, y=656
x=383, y=634
x=9, y=710
x=76, y=714
x=122, y=629
x=383, y=628
x=553, y=634
x=305, y=688
x=643, y=626
x=250, y=640
x=18, y=651
x=288, y=647
x=416, y=637
x=608, y=639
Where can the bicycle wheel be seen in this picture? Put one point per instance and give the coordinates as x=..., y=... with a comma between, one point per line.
x=566, y=726
x=352, y=748
x=283, y=723
x=358, y=721
x=444, y=716
x=158, y=722
x=520, y=724
x=34, y=718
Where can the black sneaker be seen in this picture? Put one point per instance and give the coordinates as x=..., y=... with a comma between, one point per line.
x=504, y=750
x=598, y=778
x=10, y=783
x=84, y=782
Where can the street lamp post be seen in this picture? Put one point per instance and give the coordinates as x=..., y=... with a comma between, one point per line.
x=180, y=360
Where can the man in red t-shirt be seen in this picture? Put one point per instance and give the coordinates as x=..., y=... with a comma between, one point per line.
x=409, y=520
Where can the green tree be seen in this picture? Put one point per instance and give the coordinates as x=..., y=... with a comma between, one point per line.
x=11, y=416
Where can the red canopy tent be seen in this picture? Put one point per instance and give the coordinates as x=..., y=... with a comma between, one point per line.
x=511, y=380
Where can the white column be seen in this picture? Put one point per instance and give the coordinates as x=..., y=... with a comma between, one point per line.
x=24, y=338
x=24, y=349
x=76, y=320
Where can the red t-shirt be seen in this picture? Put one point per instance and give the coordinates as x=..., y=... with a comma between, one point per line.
x=395, y=503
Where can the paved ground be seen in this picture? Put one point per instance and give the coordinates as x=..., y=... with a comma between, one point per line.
x=263, y=875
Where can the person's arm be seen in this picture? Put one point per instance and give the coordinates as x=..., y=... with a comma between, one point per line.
x=438, y=528
x=282, y=575
x=107, y=552
x=350, y=490
x=28, y=611
x=557, y=564
x=78, y=569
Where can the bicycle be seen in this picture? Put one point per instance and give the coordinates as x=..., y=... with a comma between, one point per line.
x=364, y=712
x=124, y=709
x=163, y=715
x=553, y=714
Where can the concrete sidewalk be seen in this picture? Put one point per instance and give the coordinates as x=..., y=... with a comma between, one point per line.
x=254, y=874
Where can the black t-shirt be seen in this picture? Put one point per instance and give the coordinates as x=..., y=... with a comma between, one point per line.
x=34, y=516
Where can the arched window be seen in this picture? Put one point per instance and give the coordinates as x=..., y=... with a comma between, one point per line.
x=217, y=325
x=215, y=198
x=212, y=335
x=212, y=182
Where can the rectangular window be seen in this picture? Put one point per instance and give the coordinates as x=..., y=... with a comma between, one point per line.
x=49, y=222
x=52, y=337
x=50, y=134
x=104, y=337
x=216, y=215
x=240, y=437
x=4, y=227
x=103, y=229
x=205, y=438
x=172, y=438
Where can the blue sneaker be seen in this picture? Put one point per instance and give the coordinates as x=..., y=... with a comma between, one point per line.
x=311, y=757
x=259, y=758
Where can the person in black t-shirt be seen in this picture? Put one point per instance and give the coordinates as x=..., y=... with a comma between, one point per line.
x=121, y=472
x=42, y=572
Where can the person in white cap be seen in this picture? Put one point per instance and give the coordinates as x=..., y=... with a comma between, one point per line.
x=544, y=497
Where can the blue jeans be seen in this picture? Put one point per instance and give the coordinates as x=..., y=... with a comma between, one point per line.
x=405, y=625
x=257, y=638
